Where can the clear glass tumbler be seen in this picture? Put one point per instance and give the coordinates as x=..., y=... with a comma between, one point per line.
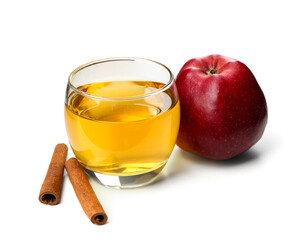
x=122, y=118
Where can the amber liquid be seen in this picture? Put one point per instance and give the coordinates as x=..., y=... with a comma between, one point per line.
x=122, y=137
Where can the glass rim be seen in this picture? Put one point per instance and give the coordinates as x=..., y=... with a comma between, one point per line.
x=85, y=94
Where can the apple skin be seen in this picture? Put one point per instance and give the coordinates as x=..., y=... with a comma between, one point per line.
x=223, y=109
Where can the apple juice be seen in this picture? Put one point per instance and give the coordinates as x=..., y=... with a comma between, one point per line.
x=124, y=128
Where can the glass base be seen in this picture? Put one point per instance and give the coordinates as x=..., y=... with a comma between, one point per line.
x=122, y=182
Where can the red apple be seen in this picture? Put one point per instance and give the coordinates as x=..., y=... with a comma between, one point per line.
x=223, y=109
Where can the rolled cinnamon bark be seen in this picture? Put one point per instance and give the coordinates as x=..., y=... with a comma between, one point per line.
x=85, y=192
x=51, y=188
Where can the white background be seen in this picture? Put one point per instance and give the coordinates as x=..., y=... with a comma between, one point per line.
x=261, y=194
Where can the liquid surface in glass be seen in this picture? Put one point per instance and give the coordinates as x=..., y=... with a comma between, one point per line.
x=122, y=137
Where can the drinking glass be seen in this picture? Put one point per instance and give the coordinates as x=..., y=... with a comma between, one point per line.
x=122, y=118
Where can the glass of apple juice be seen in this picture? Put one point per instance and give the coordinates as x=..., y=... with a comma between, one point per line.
x=122, y=118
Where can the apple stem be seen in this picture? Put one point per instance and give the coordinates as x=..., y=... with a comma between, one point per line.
x=211, y=71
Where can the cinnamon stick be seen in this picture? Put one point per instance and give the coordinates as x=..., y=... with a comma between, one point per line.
x=85, y=193
x=51, y=188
